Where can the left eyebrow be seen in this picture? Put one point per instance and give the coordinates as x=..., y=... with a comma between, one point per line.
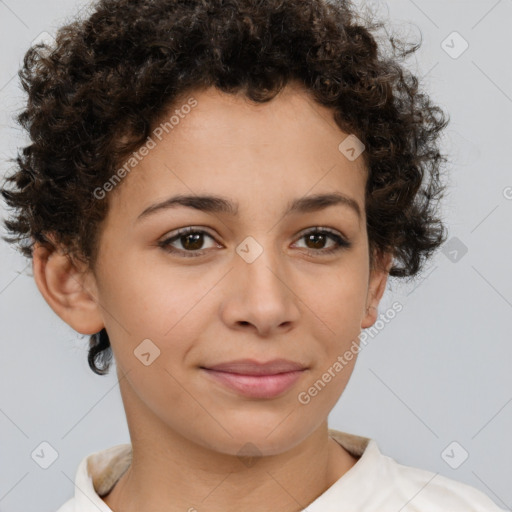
x=218, y=204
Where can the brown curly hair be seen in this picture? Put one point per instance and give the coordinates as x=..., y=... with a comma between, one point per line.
x=96, y=95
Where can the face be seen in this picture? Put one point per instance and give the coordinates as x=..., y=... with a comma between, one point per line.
x=252, y=279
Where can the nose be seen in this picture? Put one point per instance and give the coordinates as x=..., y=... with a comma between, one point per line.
x=260, y=296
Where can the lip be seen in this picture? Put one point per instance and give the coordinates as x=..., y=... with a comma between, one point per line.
x=257, y=379
x=253, y=367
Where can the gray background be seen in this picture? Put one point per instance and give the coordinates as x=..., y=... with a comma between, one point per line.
x=438, y=372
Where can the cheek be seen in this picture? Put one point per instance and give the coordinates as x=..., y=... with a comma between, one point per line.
x=337, y=298
x=151, y=322
x=150, y=301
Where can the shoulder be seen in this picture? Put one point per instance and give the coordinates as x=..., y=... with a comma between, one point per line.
x=425, y=490
x=97, y=473
x=379, y=482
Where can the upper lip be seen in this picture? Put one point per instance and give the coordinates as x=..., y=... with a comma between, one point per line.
x=253, y=367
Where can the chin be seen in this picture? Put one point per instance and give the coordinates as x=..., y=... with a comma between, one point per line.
x=253, y=435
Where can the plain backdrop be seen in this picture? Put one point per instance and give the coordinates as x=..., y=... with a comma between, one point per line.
x=433, y=386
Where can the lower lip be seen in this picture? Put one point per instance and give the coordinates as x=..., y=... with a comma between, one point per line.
x=257, y=386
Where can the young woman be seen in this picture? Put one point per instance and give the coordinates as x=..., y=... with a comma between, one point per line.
x=217, y=191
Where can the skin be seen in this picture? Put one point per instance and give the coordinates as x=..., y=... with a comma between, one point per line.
x=186, y=429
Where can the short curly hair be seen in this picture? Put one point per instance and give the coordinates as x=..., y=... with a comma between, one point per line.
x=96, y=94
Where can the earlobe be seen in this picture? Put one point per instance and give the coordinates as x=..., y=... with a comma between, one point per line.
x=66, y=289
x=376, y=289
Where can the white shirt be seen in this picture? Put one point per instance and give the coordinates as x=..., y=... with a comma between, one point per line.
x=376, y=483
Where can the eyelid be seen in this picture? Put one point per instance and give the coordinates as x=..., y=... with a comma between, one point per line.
x=179, y=232
x=316, y=229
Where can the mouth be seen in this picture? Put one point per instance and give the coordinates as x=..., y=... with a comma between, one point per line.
x=255, y=379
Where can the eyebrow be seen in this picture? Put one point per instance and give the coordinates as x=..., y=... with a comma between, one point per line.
x=218, y=204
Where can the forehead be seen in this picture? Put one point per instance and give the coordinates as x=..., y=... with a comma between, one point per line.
x=224, y=143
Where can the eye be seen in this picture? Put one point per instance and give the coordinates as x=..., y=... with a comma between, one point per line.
x=192, y=241
x=318, y=236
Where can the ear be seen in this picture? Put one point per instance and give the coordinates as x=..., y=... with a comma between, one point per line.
x=71, y=292
x=376, y=287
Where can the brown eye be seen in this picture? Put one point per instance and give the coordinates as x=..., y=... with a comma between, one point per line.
x=191, y=239
x=317, y=238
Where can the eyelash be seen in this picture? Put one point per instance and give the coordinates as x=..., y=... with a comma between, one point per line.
x=166, y=243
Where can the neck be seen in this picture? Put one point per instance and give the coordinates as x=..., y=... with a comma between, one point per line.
x=170, y=473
